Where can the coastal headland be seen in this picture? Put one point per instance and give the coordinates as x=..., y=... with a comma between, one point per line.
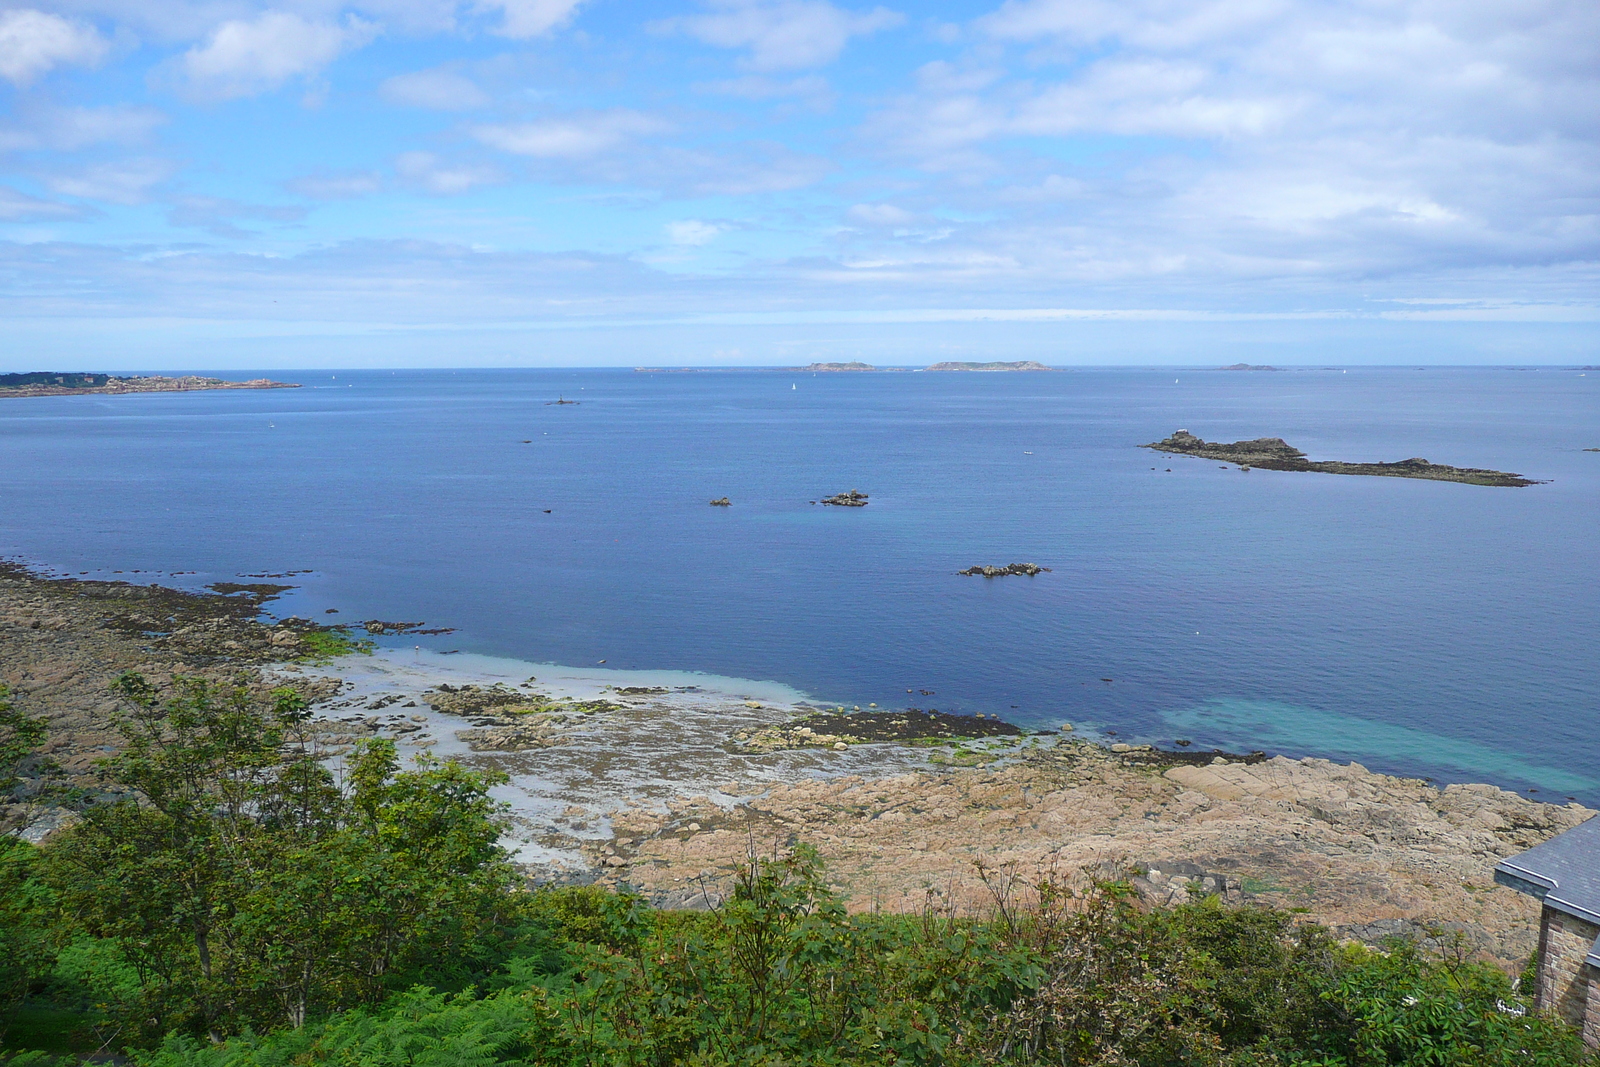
x=665, y=784
x=1275, y=454
x=54, y=383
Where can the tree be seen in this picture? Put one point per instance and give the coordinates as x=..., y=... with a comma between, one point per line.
x=25, y=950
x=250, y=885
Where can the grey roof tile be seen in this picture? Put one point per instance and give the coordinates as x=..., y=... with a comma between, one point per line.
x=1564, y=872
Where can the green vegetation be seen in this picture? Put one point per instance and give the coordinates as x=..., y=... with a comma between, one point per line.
x=68, y=380
x=229, y=902
x=324, y=645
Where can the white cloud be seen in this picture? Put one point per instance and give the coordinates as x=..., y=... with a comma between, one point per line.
x=573, y=137
x=426, y=171
x=880, y=215
x=533, y=18
x=756, y=87
x=126, y=181
x=782, y=34
x=335, y=186
x=32, y=42
x=243, y=58
x=216, y=215
x=692, y=232
x=16, y=206
x=67, y=129
x=438, y=90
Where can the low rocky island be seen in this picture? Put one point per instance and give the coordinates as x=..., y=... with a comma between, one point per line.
x=722, y=502
x=1249, y=366
x=52, y=383
x=855, y=498
x=1275, y=454
x=1028, y=569
x=829, y=368
x=1021, y=364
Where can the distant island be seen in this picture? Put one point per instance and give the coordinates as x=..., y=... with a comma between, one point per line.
x=853, y=365
x=1249, y=366
x=1274, y=454
x=53, y=383
x=1021, y=364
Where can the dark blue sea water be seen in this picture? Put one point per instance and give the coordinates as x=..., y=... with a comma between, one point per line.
x=1421, y=627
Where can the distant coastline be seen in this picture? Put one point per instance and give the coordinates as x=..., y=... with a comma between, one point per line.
x=855, y=366
x=65, y=383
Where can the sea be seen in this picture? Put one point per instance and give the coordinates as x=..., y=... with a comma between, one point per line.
x=562, y=517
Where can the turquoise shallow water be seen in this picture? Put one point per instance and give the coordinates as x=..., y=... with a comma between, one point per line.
x=1420, y=627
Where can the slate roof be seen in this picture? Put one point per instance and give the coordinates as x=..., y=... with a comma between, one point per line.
x=1564, y=872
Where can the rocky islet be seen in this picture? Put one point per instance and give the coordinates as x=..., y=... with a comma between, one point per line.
x=1274, y=453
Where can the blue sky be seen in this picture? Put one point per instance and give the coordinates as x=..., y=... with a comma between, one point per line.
x=216, y=183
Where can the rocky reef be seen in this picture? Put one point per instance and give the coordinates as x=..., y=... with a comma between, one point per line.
x=51, y=383
x=1275, y=454
x=1028, y=569
x=64, y=640
x=855, y=498
x=1021, y=364
x=722, y=502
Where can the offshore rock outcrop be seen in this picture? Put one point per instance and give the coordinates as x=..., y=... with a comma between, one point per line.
x=1276, y=454
x=1028, y=569
x=855, y=498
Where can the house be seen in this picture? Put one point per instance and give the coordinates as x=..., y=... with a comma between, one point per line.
x=1564, y=874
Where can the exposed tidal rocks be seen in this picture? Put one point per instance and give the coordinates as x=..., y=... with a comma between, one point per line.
x=855, y=498
x=1368, y=854
x=824, y=730
x=1028, y=569
x=378, y=628
x=1275, y=454
x=506, y=719
x=53, y=383
x=722, y=502
x=503, y=700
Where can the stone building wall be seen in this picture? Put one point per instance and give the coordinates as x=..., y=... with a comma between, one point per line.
x=1567, y=985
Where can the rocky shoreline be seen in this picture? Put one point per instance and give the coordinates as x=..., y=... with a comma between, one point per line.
x=666, y=787
x=18, y=385
x=1275, y=454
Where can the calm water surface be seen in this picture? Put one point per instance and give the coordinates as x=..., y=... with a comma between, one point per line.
x=1421, y=627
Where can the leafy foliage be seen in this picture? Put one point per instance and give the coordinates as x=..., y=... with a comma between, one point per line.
x=233, y=903
x=247, y=886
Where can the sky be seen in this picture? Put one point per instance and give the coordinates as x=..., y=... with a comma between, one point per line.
x=227, y=183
